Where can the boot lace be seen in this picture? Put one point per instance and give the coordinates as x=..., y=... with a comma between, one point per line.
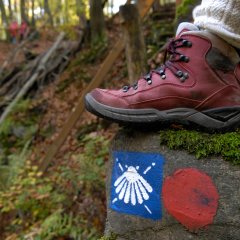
x=174, y=56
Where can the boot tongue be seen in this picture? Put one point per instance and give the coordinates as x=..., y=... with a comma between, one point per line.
x=185, y=27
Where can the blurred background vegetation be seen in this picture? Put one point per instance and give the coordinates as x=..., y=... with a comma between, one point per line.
x=67, y=201
x=42, y=13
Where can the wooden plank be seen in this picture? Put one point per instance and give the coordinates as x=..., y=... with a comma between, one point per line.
x=134, y=41
x=96, y=81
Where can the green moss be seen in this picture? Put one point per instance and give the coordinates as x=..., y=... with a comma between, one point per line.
x=226, y=145
x=111, y=237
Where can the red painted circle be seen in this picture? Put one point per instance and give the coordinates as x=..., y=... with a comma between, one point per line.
x=191, y=197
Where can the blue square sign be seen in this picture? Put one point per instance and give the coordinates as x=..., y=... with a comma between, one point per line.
x=136, y=184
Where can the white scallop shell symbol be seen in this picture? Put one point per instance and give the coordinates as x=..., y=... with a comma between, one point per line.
x=132, y=187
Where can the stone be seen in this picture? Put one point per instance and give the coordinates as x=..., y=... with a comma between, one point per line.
x=220, y=198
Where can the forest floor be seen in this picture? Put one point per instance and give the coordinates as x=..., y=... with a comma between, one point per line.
x=5, y=49
x=68, y=200
x=80, y=186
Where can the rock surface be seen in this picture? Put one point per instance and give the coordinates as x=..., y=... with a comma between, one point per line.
x=219, y=174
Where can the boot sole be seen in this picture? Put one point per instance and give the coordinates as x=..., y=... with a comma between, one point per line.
x=214, y=119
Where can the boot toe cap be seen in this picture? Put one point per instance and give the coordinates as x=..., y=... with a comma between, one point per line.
x=109, y=98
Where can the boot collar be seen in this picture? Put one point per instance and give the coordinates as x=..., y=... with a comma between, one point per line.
x=225, y=48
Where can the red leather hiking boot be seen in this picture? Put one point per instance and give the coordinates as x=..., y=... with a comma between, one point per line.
x=200, y=83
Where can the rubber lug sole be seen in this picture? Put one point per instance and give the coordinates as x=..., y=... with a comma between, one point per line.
x=213, y=119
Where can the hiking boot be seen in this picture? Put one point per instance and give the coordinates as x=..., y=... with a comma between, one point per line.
x=200, y=83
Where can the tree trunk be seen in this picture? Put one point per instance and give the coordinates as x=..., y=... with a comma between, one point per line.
x=96, y=21
x=15, y=5
x=33, y=18
x=134, y=40
x=156, y=6
x=81, y=12
x=66, y=11
x=22, y=10
x=10, y=9
x=3, y=13
x=104, y=2
x=79, y=9
x=48, y=12
x=58, y=17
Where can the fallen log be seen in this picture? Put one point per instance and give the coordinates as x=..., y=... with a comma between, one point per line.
x=19, y=76
x=15, y=51
x=33, y=78
x=56, y=63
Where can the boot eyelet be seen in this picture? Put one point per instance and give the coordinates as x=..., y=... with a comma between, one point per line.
x=179, y=73
x=135, y=87
x=161, y=72
x=187, y=43
x=184, y=77
x=148, y=77
x=149, y=81
x=125, y=88
x=163, y=76
x=184, y=58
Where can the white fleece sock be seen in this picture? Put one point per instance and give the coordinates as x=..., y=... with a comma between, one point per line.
x=221, y=17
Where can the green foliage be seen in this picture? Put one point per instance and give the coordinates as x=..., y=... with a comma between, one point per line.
x=184, y=8
x=6, y=126
x=16, y=134
x=62, y=224
x=31, y=197
x=92, y=162
x=10, y=171
x=70, y=31
x=19, y=127
x=158, y=33
x=84, y=58
x=95, y=53
x=57, y=224
x=226, y=145
x=42, y=207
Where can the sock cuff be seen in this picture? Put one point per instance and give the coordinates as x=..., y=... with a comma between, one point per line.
x=220, y=17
